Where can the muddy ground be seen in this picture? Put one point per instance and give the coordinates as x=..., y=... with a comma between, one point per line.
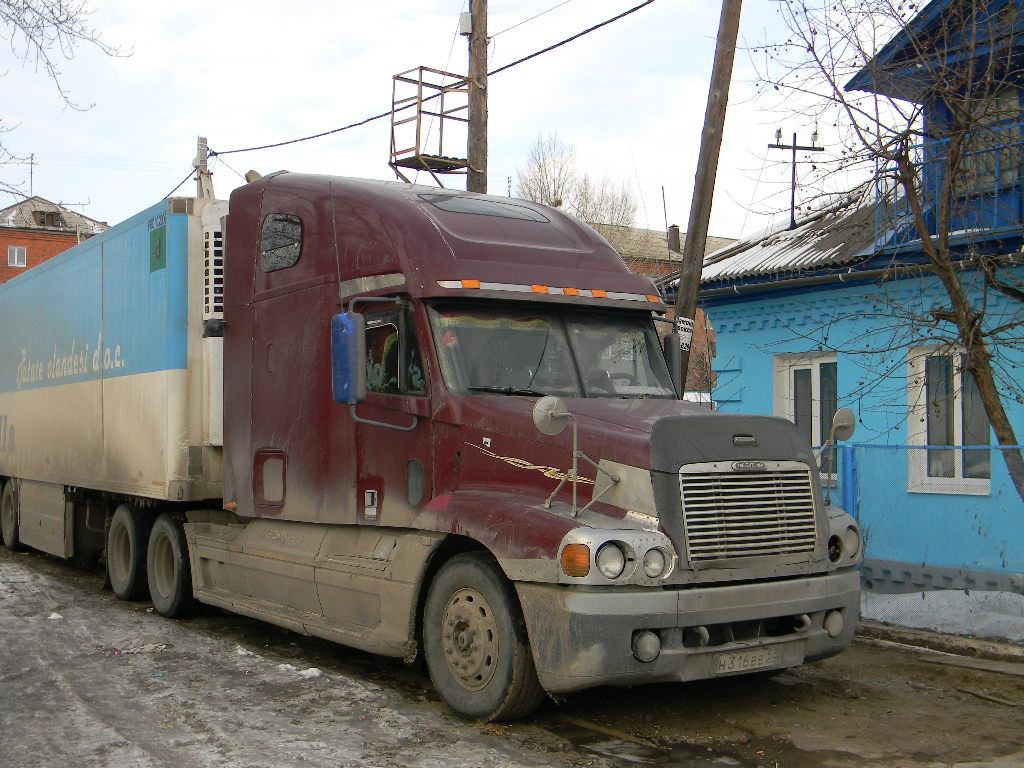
x=91, y=682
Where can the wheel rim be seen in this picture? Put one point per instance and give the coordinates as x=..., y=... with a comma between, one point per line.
x=163, y=565
x=120, y=552
x=469, y=639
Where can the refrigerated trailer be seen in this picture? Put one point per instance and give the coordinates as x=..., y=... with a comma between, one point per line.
x=413, y=421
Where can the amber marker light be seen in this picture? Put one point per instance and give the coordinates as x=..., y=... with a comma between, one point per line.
x=576, y=560
x=654, y=299
x=470, y=283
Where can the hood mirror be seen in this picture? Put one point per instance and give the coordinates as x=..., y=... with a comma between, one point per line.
x=550, y=415
x=843, y=424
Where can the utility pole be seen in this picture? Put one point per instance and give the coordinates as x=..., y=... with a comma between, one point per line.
x=704, y=181
x=792, y=189
x=204, y=179
x=476, y=153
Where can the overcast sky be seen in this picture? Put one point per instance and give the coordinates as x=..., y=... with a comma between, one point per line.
x=630, y=97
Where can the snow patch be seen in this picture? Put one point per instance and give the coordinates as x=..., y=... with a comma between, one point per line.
x=306, y=674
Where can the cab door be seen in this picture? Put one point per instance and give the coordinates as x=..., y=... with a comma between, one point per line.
x=393, y=425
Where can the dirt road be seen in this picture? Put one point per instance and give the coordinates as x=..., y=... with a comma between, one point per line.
x=90, y=682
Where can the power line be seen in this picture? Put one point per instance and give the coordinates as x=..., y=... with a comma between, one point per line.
x=570, y=39
x=385, y=114
x=304, y=138
x=526, y=21
x=187, y=177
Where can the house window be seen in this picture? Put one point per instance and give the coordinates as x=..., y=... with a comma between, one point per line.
x=45, y=218
x=17, y=256
x=807, y=393
x=992, y=150
x=947, y=416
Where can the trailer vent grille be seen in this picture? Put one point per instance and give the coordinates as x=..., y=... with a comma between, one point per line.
x=213, y=278
x=731, y=513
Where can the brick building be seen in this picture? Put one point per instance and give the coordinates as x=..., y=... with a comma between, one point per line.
x=35, y=230
x=646, y=252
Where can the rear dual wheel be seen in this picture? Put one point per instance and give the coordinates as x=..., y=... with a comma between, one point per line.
x=150, y=558
x=168, y=569
x=127, y=539
x=475, y=642
x=9, y=516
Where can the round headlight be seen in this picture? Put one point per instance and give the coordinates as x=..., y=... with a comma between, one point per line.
x=835, y=549
x=851, y=540
x=654, y=563
x=611, y=560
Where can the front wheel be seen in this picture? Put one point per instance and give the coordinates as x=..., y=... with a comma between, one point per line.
x=168, y=569
x=9, y=517
x=475, y=642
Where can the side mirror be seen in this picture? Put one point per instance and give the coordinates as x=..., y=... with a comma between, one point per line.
x=843, y=425
x=348, y=358
x=674, y=360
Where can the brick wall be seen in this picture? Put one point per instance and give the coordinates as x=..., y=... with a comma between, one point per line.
x=39, y=246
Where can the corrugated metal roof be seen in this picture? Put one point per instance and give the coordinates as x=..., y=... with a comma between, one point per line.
x=21, y=216
x=636, y=243
x=838, y=235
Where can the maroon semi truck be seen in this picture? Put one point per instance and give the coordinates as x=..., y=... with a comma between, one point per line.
x=449, y=429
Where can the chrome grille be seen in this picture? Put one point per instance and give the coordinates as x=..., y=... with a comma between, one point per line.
x=745, y=514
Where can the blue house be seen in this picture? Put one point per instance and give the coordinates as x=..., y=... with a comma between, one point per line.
x=844, y=310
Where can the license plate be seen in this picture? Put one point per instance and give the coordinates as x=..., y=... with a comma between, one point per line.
x=745, y=661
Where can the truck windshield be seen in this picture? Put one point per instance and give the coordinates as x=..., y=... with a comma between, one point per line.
x=549, y=351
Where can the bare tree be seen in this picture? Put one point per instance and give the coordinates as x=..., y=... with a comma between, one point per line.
x=42, y=33
x=962, y=67
x=551, y=176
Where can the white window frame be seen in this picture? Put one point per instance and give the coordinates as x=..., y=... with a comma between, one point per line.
x=785, y=398
x=13, y=252
x=919, y=481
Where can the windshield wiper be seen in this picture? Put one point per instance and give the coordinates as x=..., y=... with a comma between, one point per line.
x=506, y=390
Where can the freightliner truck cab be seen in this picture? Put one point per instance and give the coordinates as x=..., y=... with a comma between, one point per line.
x=450, y=428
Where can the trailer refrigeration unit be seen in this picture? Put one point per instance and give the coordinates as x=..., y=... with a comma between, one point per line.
x=410, y=420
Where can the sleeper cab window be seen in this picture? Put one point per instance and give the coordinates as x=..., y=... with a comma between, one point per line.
x=280, y=241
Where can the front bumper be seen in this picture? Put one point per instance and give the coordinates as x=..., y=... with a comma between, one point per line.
x=583, y=637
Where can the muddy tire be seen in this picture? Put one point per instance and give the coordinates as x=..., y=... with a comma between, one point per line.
x=168, y=569
x=475, y=642
x=127, y=538
x=9, y=516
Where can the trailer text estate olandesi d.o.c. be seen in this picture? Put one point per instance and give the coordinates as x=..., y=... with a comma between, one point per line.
x=412, y=421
